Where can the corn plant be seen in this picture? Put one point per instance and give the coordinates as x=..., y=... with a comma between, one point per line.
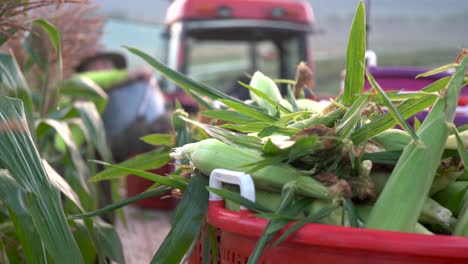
x=44, y=146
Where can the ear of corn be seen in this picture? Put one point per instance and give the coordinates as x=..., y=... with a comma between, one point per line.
x=434, y=213
x=452, y=140
x=364, y=212
x=399, y=205
x=268, y=86
x=393, y=139
x=210, y=154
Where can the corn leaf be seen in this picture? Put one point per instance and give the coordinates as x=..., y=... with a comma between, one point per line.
x=12, y=79
x=214, y=243
x=397, y=96
x=238, y=199
x=187, y=222
x=62, y=129
x=384, y=157
x=272, y=228
x=292, y=100
x=355, y=57
x=258, y=127
x=159, y=191
x=352, y=117
x=288, y=206
x=84, y=88
x=13, y=197
x=268, y=131
x=299, y=224
x=108, y=242
x=95, y=128
x=248, y=111
x=407, y=109
x=227, y=136
x=146, y=175
x=352, y=213
x=229, y=116
x=150, y=160
x=391, y=108
x=54, y=36
x=159, y=139
x=186, y=83
x=438, y=70
x=19, y=155
x=289, y=118
x=61, y=184
x=328, y=120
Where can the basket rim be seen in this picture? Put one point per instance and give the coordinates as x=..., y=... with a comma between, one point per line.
x=346, y=238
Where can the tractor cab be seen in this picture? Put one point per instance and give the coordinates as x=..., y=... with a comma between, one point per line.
x=221, y=41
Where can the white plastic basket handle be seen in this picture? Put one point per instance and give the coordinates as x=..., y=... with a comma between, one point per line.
x=371, y=58
x=245, y=182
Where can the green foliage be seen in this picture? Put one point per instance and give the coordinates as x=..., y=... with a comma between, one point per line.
x=44, y=145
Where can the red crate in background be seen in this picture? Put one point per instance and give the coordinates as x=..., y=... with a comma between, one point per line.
x=136, y=185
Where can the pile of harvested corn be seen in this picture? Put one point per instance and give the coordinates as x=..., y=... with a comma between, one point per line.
x=341, y=163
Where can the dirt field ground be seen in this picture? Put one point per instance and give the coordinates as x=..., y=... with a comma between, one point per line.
x=144, y=233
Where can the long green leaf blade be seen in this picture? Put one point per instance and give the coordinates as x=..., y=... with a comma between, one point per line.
x=391, y=108
x=437, y=70
x=14, y=81
x=84, y=88
x=150, y=160
x=109, y=208
x=19, y=155
x=54, y=36
x=249, y=111
x=147, y=175
x=238, y=199
x=183, y=81
x=13, y=197
x=95, y=128
x=187, y=222
x=159, y=139
x=407, y=109
x=355, y=57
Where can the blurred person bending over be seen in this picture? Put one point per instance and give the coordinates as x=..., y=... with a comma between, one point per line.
x=136, y=105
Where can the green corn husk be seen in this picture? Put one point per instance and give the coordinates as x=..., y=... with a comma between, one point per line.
x=338, y=216
x=210, y=154
x=267, y=199
x=453, y=196
x=444, y=177
x=364, y=212
x=399, y=205
x=461, y=226
x=268, y=86
x=393, y=139
x=434, y=213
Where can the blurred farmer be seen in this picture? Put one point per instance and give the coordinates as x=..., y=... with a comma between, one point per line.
x=136, y=106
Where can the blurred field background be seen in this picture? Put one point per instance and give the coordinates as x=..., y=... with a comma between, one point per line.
x=422, y=33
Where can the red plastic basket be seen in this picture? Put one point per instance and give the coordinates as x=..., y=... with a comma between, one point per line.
x=136, y=185
x=317, y=243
